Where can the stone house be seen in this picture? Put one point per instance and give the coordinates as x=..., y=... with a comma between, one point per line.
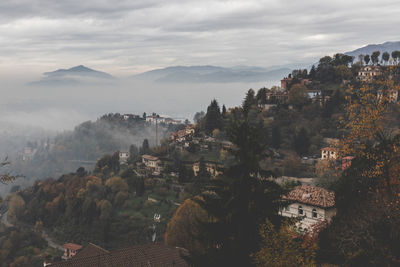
x=313, y=204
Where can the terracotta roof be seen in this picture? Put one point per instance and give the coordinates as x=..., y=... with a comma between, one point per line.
x=90, y=250
x=311, y=195
x=146, y=255
x=148, y=157
x=72, y=246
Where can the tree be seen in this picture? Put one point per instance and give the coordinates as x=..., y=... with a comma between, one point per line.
x=198, y=116
x=105, y=209
x=238, y=202
x=16, y=206
x=396, y=56
x=375, y=57
x=262, y=96
x=213, y=119
x=223, y=111
x=301, y=142
x=365, y=229
x=184, y=227
x=145, y=149
x=298, y=96
x=133, y=153
x=367, y=59
x=249, y=101
x=117, y=184
x=276, y=137
x=7, y=177
x=385, y=57
x=140, y=189
x=283, y=248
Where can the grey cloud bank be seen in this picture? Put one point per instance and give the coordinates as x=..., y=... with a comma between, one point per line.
x=126, y=37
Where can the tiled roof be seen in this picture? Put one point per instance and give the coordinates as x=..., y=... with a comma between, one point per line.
x=148, y=157
x=72, y=246
x=315, y=196
x=91, y=250
x=146, y=255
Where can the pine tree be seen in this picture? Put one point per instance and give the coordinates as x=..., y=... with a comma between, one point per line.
x=239, y=203
x=213, y=119
x=249, y=101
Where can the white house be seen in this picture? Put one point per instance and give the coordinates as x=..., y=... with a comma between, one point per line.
x=313, y=204
x=123, y=157
x=328, y=153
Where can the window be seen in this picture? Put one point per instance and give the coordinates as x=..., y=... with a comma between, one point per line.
x=314, y=213
x=300, y=210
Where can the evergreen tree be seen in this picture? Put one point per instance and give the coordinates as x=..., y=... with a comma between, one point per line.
x=367, y=59
x=301, y=142
x=145, y=149
x=223, y=111
x=133, y=153
x=213, y=119
x=276, y=137
x=249, y=101
x=239, y=203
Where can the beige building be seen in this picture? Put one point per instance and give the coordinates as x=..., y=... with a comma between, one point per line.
x=152, y=162
x=368, y=72
x=313, y=204
x=328, y=153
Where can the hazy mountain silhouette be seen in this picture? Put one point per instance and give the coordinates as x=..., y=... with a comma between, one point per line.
x=73, y=76
x=213, y=74
x=369, y=49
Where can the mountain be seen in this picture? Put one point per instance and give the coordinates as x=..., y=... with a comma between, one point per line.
x=73, y=76
x=385, y=47
x=213, y=74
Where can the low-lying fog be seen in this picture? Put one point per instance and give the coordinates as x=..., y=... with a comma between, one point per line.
x=63, y=107
x=35, y=113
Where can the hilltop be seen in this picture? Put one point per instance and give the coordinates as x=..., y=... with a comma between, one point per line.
x=73, y=76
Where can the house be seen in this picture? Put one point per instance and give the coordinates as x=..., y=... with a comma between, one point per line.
x=212, y=168
x=154, y=254
x=152, y=162
x=328, y=153
x=346, y=162
x=155, y=119
x=368, y=72
x=123, y=157
x=70, y=250
x=313, y=204
x=285, y=82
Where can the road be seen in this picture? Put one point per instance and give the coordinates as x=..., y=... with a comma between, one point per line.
x=50, y=241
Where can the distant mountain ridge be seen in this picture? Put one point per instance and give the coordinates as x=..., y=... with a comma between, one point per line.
x=73, y=76
x=369, y=49
x=212, y=74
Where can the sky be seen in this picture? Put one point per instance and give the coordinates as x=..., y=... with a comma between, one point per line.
x=126, y=37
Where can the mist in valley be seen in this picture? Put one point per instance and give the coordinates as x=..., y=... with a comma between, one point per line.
x=41, y=115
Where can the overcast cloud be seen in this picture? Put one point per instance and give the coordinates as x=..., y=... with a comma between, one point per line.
x=126, y=37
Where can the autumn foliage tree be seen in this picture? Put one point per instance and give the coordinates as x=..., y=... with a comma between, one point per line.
x=183, y=229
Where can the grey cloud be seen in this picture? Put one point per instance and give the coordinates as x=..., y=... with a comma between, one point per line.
x=128, y=35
